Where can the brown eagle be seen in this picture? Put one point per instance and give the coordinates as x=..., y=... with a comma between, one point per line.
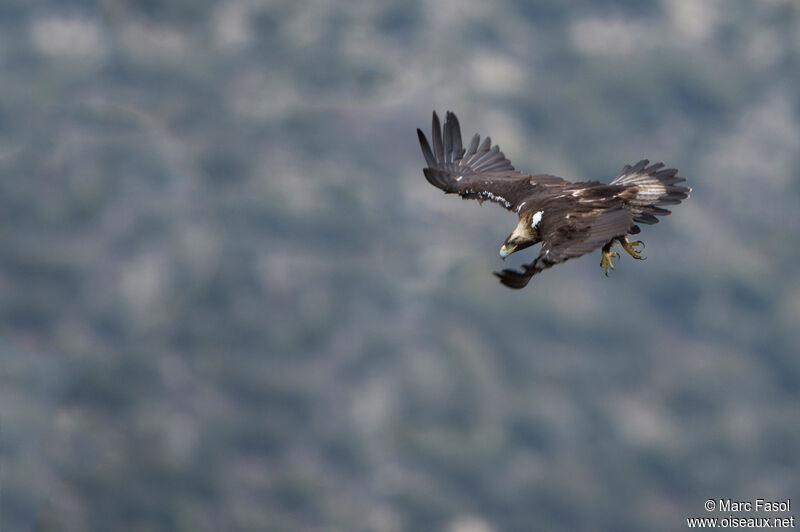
x=569, y=219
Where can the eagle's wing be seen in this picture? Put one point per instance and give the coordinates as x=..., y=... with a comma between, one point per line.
x=480, y=172
x=570, y=229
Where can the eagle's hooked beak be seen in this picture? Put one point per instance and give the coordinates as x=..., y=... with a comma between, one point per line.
x=505, y=251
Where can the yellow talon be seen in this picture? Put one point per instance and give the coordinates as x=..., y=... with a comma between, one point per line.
x=605, y=260
x=629, y=247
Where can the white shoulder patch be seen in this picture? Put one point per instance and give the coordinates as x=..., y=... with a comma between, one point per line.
x=537, y=219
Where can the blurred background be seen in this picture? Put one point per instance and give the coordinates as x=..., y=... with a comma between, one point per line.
x=230, y=301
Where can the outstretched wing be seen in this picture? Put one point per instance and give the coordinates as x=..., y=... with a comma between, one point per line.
x=480, y=172
x=570, y=229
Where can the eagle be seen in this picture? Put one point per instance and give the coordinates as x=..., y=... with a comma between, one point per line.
x=569, y=219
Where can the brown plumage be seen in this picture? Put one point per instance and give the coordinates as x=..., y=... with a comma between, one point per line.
x=569, y=219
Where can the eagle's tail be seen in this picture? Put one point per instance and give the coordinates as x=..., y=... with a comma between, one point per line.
x=654, y=187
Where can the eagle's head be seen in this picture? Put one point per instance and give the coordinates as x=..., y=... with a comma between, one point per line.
x=525, y=234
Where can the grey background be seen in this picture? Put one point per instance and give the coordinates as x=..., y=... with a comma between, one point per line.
x=230, y=301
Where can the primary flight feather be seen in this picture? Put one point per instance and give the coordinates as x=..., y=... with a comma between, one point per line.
x=569, y=219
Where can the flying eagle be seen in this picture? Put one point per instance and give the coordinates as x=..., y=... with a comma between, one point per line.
x=569, y=219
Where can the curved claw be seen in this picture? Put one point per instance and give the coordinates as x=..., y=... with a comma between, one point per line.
x=630, y=248
x=606, y=262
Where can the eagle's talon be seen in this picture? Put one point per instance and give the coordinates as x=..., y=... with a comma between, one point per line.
x=605, y=260
x=630, y=248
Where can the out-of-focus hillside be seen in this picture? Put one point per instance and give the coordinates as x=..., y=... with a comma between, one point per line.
x=230, y=301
